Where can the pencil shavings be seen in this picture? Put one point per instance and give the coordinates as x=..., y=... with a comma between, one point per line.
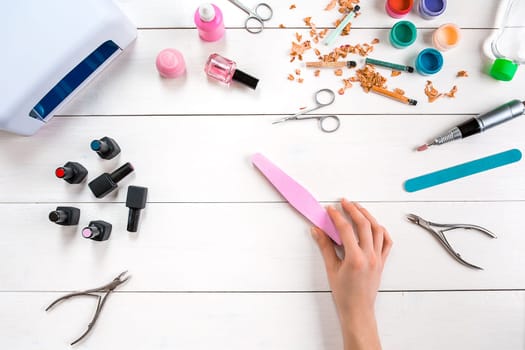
x=281, y=26
x=292, y=6
x=341, y=91
x=291, y=77
x=338, y=72
x=317, y=72
x=395, y=73
x=368, y=77
x=297, y=72
x=433, y=94
x=399, y=91
x=331, y=5
x=452, y=92
x=462, y=74
x=299, y=49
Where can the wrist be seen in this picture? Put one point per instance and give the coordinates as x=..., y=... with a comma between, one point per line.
x=360, y=332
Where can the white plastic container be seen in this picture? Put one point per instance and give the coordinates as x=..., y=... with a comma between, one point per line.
x=507, y=45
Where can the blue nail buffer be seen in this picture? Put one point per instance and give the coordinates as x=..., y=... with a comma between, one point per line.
x=462, y=170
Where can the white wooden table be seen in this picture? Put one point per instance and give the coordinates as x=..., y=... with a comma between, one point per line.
x=220, y=260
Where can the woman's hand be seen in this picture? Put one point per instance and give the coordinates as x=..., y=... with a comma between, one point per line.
x=355, y=279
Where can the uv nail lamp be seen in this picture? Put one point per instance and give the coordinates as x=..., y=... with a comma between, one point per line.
x=50, y=50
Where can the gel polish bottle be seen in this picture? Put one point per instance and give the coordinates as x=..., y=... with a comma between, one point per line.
x=209, y=21
x=224, y=70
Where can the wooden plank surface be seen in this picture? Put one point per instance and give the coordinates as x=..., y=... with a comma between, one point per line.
x=207, y=158
x=252, y=247
x=220, y=260
x=411, y=321
x=173, y=14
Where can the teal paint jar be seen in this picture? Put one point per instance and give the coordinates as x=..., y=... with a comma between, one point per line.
x=403, y=34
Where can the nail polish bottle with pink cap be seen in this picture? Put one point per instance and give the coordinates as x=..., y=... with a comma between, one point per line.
x=209, y=21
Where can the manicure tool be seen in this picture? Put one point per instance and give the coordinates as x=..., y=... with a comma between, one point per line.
x=101, y=300
x=318, y=97
x=334, y=33
x=257, y=19
x=462, y=170
x=476, y=125
x=438, y=230
x=297, y=196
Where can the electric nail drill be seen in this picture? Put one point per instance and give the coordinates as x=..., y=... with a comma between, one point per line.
x=97, y=230
x=106, y=147
x=71, y=172
x=65, y=216
x=107, y=183
x=476, y=125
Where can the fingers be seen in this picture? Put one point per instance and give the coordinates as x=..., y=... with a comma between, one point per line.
x=327, y=249
x=344, y=228
x=378, y=231
x=387, y=245
x=362, y=224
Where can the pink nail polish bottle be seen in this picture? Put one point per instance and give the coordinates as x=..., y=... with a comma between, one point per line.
x=209, y=22
x=225, y=70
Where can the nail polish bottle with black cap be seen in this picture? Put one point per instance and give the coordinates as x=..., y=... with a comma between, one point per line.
x=97, y=230
x=71, y=172
x=65, y=216
x=106, y=183
x=225, y=70
x=106, y=147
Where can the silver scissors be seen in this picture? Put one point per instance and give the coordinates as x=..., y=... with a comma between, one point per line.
x=438, y=230
x=255, y=21
x=323, y=98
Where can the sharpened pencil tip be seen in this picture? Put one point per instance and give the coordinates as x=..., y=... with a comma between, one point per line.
x=410, y=69
x=412, y=102
x=422, y=148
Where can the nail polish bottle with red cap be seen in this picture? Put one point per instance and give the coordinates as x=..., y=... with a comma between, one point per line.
x=71, y=172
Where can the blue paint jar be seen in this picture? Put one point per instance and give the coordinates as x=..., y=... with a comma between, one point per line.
x=429, y=61
x=430, y=9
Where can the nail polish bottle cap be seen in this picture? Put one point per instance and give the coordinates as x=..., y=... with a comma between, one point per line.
x=246, y=79
x=206, y=12
x=170, y=63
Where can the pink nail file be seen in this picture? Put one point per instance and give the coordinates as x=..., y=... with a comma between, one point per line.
x=297, y=196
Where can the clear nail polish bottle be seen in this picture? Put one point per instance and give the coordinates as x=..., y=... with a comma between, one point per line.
x=224, y=70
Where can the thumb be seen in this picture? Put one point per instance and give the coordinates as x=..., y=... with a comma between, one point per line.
x=327, y=249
